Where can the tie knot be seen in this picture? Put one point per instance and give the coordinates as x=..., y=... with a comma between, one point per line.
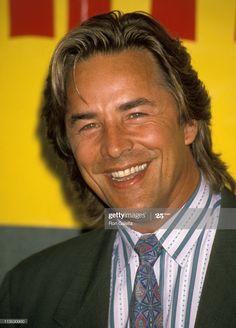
x=148, y=249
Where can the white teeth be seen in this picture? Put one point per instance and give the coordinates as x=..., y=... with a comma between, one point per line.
x=127, y=172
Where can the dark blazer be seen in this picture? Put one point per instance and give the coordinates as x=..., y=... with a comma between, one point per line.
x=68, y=284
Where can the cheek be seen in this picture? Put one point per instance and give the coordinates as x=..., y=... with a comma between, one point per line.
x=168, y=143
x=85, y=149
x=82, y=156
x=87, y=157
x=154, y=137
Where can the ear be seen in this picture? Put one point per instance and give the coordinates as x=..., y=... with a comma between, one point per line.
x=190, y=132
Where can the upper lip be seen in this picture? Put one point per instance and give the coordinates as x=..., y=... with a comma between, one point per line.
x=123, y=168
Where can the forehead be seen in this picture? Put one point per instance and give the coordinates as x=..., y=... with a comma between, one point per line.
x=134, y=66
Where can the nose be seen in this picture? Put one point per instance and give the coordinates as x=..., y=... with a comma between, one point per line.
x=115, y=141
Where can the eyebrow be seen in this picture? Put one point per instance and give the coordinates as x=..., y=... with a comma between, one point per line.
x=82, y=116
x=122, y=107
x=135, y=103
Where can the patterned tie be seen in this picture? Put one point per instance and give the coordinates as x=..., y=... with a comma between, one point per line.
x=146, y=309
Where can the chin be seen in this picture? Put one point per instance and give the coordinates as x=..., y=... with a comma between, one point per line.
x=133, y=205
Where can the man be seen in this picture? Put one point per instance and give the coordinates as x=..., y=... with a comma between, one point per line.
x=127, y=112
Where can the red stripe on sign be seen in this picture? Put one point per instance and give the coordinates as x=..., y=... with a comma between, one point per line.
x=74, y=13
x=98, y=7
x=178, y=16
x=80, y=10
x=31, y=17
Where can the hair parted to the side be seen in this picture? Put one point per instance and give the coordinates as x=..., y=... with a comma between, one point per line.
x=113, y=32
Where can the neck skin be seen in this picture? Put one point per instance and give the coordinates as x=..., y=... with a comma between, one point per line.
x=191, y=183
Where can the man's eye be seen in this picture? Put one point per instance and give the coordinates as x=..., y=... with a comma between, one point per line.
x=136, y=115
x=88, y=127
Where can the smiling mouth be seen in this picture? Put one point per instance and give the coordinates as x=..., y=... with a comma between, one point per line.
x=129, y=173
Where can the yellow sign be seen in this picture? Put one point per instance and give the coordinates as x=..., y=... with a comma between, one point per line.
x=30, y=194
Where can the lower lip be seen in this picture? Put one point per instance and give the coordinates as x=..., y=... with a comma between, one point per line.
x=127, y=183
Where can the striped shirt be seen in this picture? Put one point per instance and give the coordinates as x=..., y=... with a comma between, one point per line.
x=187, y=239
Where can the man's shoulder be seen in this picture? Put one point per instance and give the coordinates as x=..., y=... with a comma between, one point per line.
x=64, y=256
x=43, y=278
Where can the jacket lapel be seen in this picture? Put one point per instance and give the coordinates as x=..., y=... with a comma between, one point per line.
x=218, y=299
x=217, y=305
x=86, y=301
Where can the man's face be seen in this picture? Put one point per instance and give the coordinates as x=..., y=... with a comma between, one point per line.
x=122, y=125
